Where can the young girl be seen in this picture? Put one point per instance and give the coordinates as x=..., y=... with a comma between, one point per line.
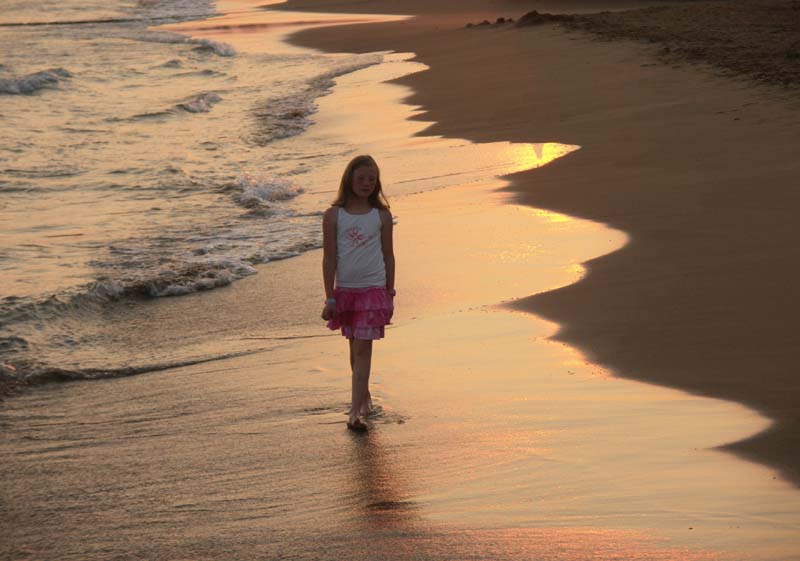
x=358, y=255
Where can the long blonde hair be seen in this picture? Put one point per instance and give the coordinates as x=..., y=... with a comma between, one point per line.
x=377, y=199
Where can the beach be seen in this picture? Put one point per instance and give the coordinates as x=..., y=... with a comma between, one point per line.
x=594, y=265
x=696, y=168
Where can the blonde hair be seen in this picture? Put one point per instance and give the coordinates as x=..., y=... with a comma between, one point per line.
x=377, y=199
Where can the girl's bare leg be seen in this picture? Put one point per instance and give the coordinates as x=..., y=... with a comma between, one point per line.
x=366, y=406
x=351, y=354
x=361, y=353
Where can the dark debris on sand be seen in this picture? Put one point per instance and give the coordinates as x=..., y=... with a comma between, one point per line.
x=10, y=386
x=537, y=18
x=759, y=39
x=499, y=21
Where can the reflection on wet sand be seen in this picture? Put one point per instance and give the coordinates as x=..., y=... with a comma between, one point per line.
x=380, y=488
x=387, y=522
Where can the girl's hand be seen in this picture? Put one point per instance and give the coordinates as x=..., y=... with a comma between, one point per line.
x=329, y=311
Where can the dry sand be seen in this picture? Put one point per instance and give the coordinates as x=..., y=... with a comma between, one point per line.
x=759, y=39
x=700, y=170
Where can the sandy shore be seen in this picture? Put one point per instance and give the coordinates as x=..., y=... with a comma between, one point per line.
x=700, y=170
x=757, y=39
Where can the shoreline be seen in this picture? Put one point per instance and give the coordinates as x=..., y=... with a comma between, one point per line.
x=694, y=300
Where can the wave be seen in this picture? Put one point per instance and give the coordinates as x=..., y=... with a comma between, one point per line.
x=33, y=82
x=288, y=116
x=201, y=45
x=196, y=271
x=172, y=63
x=325, y=80
x=201, y=103
x=259, y=192
x=39, y=337
x=143, y=116
x=31, y=374
x=221, y=49
x=212, y=272
x=147, y=12
x=16, y=309
x=52, y=170
x=99, y=21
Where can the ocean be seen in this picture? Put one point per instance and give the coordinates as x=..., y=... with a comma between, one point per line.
x=137, y=163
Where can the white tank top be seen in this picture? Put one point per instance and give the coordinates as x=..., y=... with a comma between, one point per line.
x=359, y=255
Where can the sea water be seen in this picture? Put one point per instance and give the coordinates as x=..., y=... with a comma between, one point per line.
x=136, y=162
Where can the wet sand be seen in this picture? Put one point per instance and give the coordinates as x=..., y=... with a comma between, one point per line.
x=699, y=169
x=495, y=442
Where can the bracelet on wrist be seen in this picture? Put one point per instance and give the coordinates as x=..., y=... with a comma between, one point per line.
x=330, y=300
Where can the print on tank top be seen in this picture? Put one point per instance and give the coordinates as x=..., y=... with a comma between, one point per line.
x=356, y=237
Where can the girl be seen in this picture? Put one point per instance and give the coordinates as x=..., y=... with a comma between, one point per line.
x=359, y=256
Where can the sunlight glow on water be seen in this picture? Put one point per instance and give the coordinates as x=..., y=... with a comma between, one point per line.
x=529, y=156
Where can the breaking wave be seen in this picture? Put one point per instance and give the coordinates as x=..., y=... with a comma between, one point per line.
x=33, y=82
x=290, y=115
x=201, y=103
x=36, y=373
x=201, y=45
x=258, y=193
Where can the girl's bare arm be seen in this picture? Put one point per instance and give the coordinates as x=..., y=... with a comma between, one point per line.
x=329, y=249
x=387, y=246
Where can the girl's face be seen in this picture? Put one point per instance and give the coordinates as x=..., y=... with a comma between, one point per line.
x=365, y=178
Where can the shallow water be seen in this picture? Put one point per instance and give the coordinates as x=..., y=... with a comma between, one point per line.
x=140, y=162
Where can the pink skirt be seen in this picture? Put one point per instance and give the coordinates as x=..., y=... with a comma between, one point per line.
x=362, y=313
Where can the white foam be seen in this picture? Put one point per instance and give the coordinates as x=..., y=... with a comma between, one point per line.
x=33, y=82
x=351, y=64
x=288, y=116
x=201, y=103
x=259, y=191
x=108, y=289
x=221, y=49
x=213, y=272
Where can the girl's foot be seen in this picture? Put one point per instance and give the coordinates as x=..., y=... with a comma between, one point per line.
x=374, y=413
x=357, y=425
x=367, y=409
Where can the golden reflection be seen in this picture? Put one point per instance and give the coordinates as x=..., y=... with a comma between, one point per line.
x=529, y=156
x=548, y=215
x=551, y=216
x=389, y=524
x=578, y=270
x=577, y=362
x=378, y=486
x=250, y=16
x=566, y=544
x=522, y=253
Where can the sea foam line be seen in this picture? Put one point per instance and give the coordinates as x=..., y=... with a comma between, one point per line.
x=33, y=82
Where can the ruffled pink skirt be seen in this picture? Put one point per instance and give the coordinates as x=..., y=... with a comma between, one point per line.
x=362, y=313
